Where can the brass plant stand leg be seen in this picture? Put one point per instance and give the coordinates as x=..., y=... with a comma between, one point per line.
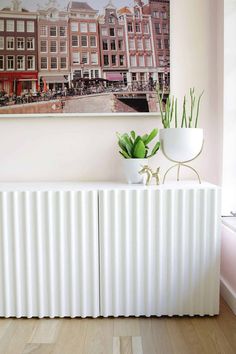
x=182, y=164
x=178, y=165
x=178, y=172
x=193, y=169
x=169, y=169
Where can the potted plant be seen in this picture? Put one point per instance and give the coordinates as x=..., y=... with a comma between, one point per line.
x=135, y=151
x=182, y=142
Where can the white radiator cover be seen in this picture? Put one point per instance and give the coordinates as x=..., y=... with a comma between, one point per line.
x=49, y=253
x=159, y=251
x=82, y=250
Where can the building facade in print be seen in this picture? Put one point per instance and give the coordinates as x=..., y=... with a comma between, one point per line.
x=18, y=50
x=160, y=17
x=113, y=45
x=139, y=43
x=84, y=41
x=53, y=47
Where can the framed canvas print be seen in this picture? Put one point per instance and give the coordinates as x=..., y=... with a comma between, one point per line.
x=95, y=56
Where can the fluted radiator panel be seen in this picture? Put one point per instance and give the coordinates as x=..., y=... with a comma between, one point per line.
x=159, y=252
x=49, y=254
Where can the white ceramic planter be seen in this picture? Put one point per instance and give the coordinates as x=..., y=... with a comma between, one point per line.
x=132, y=168
x=181, y=144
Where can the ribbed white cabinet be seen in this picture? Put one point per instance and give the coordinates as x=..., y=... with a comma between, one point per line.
x=49, y=264
x=80, y=250
x=159, y=250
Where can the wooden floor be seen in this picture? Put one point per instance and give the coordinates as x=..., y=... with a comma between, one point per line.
x=209, y=335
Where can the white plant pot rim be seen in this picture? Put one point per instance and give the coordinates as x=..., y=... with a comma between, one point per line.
x=179, y=128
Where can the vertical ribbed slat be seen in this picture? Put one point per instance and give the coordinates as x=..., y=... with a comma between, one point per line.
x=52, y=245
x=41, y=267
x=27, y=231
x=159, y=251
x=73, y=211
x=49, y=254
x=7, y=302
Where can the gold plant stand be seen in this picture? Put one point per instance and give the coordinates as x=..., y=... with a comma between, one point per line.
x=182, y=164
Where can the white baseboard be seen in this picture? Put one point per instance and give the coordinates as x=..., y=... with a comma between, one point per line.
x=228, y=294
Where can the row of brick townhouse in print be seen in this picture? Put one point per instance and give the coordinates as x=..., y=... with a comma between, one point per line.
x=113, y=44
x=84, y=41
x=18, y=49
x=53, y=46
x=139, y=41
x=159, y=12
x=56, y=48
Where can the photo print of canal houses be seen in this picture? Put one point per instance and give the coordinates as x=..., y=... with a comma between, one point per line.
x=100, y=56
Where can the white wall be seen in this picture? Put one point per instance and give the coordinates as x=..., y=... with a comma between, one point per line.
x=229, y=157
x=85, y=148
x=197, y=60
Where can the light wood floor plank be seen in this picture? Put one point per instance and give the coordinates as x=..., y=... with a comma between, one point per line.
x=9, y=332
x=137, y=347
x=146, y=334
x=33, y=348
x=211, y=336
x=17, y=336
x=71, y=336
x=116, y=345
x=126, y=345
x=4, y=324
x=46, y=331
x=126, y=327
x=179, y=346
x=227, y=323
x=99, y=336
x=160, y=336
x=190, y=336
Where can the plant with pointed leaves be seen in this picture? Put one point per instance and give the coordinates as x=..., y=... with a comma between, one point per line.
x=134, y=146
x=169, y=108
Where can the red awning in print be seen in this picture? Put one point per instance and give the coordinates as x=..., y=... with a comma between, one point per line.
x=114, y=77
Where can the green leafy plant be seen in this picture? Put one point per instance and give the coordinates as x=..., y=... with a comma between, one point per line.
x=134, y=146
x=169, y=109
